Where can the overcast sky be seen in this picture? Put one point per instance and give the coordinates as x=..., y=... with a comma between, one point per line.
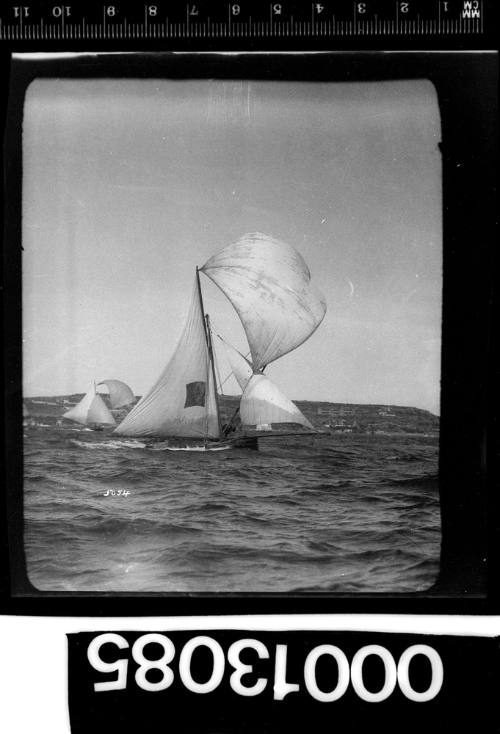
x=129, y=184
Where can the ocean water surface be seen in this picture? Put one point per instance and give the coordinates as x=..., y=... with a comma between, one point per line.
x=344, y=512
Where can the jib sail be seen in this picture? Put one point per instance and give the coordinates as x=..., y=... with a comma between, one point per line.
x=262, y=402
x=90, y=410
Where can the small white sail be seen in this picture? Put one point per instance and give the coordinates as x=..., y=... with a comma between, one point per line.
x=263, y=403
x=268, y=283
x=99, y=412
x=90, y=409
x=120, y=395
x=80, y=411
x=240, y=366
x=182, y=402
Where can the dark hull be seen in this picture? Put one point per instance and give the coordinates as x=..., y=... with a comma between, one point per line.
x=193, y=444
x=246, y=440
x=243, y=443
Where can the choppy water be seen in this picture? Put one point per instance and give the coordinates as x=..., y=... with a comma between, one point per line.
x=344, y=513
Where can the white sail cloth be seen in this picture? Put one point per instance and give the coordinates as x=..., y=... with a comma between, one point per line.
x=182, y=401
x=262, y=402
x=91, y=410
x=120, y=393
x=240, y=366
x=268, y=283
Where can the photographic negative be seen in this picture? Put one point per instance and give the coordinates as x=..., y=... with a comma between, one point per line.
x=240, y=370
x=316, y=210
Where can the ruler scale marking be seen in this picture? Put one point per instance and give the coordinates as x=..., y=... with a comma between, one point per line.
x=461, y=20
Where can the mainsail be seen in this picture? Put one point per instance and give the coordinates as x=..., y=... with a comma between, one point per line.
x=91, y=410
x=268, y=283
x=182, y=402
x=120, y=395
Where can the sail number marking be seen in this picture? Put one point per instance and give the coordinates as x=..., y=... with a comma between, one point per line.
x=345, y=673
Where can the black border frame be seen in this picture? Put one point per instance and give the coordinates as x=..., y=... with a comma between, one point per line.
x=466, y=84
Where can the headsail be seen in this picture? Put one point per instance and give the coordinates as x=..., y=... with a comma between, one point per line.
x=99, y=413
x=120, y=395
x=268, y=283
x=240, y=366
x=262, y=402
x=80, y=411
x=182, y=402
x=90, y=409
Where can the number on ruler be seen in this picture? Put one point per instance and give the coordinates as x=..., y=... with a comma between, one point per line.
x=61, y=11
x=21, y=11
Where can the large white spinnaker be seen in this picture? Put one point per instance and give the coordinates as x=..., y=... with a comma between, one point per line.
x=269, y=285
x=182, y=402
x=263, y=403
x=91, y=410
x=120, y=394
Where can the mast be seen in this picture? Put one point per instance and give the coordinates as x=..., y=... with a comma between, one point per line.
x=208, y=336
x=212, y=361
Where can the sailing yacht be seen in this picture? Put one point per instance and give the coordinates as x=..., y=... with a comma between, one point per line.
x=269, y=285
x=91, y=411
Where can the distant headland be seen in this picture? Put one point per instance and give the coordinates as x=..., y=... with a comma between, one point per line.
x=333, y=417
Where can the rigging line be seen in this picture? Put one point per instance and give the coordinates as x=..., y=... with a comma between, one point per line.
x=236, y=350
x=208, y=336
x=217, y=370
x=232, y=371
x=212, y=363
x=206, y=398
x=216, y=363
x=207, y=378
x=246, y=357
x=225, y=380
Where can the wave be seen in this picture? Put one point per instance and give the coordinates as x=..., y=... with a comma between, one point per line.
x=189, y=448
x=117, y=526
x=113, y=444
x=405, y=457
x=307, y=517
x=422, y=480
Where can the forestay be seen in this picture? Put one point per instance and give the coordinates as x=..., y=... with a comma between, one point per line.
x=262, y=402
x=268, y=283
x=240, y=366
x=120, y=394
x=182, y=402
